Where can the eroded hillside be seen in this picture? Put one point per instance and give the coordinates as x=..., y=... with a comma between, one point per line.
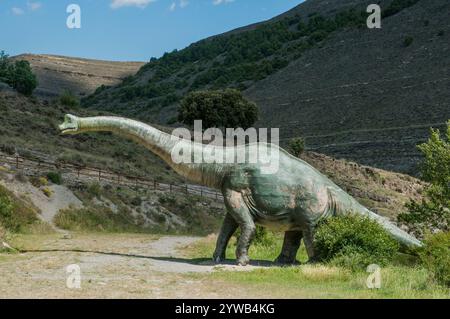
x=80, y=76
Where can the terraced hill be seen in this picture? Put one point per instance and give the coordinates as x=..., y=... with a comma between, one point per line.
x=80, y=76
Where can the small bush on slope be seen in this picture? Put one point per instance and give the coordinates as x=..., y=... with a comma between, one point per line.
x=14, y=213
x=435, y=256
x=354, y=242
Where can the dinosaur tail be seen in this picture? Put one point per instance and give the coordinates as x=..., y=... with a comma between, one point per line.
x=401, y=236
x=349, y=204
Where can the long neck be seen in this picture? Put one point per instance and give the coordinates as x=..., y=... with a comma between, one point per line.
x=160, y=143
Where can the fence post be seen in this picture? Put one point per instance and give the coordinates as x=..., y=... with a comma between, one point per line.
x=17, y=162
x=154, y=185
x=187, y=191
x=201, y=192
x=170, y=187
x=99, y=175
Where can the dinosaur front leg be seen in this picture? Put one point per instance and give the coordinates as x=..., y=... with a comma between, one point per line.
x=291, y=244
x=229, y=226
x=239, y=211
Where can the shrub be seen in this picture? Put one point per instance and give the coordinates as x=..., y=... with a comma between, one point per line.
x=68, y=99
x=297, y=146
x=47, y=192
x=354, y=242
x=38, y=181
x=435, y=256
x=14, y=213
x=21, y=78
x=8, y=149
x=408, y=41
x=223, y=109
x=94, y=189
x=54, y=177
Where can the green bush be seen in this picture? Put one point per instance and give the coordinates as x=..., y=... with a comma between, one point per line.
x=297, y=146
x=354, y=242
x=54, y=177
x=18, y=74
x=435, y=256
x=223, y=109
x=408, y=41
x=21, y=78
x=68, y=99
x=94, y=190
x=433, y=212
x=14, y=213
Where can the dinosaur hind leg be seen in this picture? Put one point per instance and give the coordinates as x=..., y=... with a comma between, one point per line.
x=291, y=244
x=229, y=226
x=309, y=245
x=239, y=211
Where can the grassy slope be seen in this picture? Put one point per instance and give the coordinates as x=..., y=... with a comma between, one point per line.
x=30, y=124
x=400, y=280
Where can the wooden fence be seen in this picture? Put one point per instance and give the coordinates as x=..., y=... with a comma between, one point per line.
x=85, y=173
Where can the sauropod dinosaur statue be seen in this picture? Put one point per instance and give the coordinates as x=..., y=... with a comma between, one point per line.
x=292, y=198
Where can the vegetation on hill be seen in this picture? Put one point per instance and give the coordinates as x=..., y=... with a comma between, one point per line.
x=433, y=212
x=17, y=74
x=15, y=214
x=29, y=127
x=233, y=60
x=222, y=109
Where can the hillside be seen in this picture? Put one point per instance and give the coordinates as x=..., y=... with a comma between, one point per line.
x=318, y=72
x=80, y=76
x=28, y=126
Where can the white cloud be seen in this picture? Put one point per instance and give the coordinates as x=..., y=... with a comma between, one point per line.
x=184, y=3
x=217, y=2
x=33, y=6
x=115, y=4
x=17, y=11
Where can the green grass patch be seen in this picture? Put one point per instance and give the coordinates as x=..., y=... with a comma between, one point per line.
x=402, y=279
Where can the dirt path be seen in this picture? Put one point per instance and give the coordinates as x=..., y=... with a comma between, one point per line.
x=112, y=266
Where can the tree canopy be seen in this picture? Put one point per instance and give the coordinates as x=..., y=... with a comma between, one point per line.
x=223, y=109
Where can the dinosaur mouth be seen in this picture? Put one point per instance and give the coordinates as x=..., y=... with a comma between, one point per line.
x=70, y=125
x=68, y=130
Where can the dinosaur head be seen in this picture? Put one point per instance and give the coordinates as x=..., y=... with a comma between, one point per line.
x=70, y=125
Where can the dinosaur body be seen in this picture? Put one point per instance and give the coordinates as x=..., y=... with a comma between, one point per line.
x=293, y=199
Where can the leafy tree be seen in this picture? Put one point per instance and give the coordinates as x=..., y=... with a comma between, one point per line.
x=226, y=108
x=21, y=77
x=433, y=213
x=4, y=67
x=297, y=146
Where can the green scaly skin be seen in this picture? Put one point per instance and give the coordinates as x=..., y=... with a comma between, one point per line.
x=292, y=199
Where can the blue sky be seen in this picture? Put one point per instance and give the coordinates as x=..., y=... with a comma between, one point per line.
x=124, y=30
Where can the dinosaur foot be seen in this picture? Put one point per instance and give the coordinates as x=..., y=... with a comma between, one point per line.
x=219, y=259
x=283, y=261
x=243, y=260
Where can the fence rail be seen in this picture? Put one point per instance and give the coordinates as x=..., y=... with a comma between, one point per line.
x=83, y=173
